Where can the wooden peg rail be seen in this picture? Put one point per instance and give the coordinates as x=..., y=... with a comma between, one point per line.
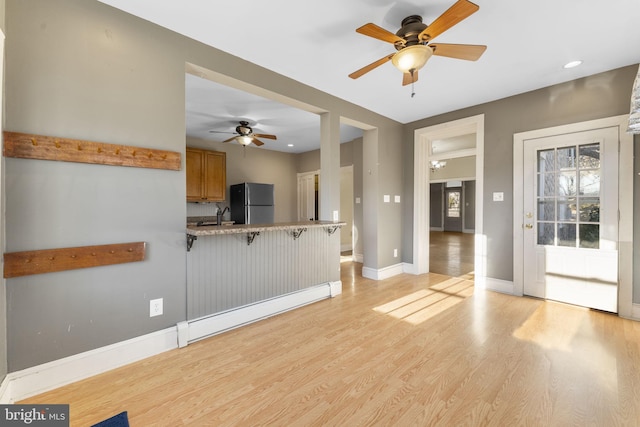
x=28, y=146
x=17, y=264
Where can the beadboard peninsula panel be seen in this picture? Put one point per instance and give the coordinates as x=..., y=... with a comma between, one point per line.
x=225, y=272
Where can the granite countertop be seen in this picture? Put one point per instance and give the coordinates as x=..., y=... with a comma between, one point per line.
x=209, y=230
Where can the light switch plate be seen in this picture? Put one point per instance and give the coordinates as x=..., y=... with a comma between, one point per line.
x=498, y=196
x=396, y=199
x=387, y=198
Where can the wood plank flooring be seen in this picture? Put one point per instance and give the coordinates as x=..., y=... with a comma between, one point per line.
x=406, y=351
x=451, y=253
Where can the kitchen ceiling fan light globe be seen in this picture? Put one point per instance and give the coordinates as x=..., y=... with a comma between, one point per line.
x=412, y=58
x=243, y=140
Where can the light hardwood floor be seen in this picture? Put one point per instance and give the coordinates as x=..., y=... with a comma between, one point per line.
x=451, y=253
x=407, y=351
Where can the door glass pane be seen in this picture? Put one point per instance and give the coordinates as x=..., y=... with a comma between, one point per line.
x=546, y=233
x=453, y=204
x=546, y=161
x=546, y=210
x=590, y=183
x=567, y=184
x=589, y=156
x=567, y=209
x=566, y=158
x=547, y=185
x=568, y=196
x=567, y=235
x=590, y=236
x=589, y=210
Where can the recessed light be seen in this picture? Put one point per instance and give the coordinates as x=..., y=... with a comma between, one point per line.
x=289, y=145
x=572, y=64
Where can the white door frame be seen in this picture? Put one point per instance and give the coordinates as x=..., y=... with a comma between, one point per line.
x=625, y=204
x=421, y=188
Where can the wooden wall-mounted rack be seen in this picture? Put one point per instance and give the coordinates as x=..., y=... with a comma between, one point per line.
x=17, y=264
x=28, y=146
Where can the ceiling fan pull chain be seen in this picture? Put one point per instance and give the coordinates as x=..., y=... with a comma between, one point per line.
x=413, y=82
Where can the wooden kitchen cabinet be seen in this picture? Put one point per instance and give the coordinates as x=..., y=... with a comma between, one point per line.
x=206, y=175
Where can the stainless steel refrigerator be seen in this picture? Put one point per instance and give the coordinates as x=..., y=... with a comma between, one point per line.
x=252, y=203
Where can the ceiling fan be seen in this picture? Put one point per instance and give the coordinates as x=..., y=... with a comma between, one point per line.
x=245, y=136
x=412, y=42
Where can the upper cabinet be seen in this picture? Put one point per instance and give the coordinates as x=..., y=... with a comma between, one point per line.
x=206, y=175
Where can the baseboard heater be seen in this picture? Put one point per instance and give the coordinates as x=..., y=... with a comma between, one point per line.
x=203, y=327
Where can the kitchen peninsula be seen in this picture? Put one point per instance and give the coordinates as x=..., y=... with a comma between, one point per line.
x=240, y=273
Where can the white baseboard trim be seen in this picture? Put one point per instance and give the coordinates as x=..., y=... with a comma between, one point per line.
x=383, y=273
x=497, y=285
x=358, y=257
x=48, y=376
x=436, y=229
x=224, y=321
x=635, y=311
x=346, y=247
x=409, y=268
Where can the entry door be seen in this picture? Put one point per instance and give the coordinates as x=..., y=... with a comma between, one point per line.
x=571, y=218
x=453, y=209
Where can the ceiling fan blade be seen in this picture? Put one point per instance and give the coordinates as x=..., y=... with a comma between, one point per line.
x=262, y=135
x=469, y=52
x=372, y=30
x=407, y=78
x=460, y=10
x=257, y=142
x=230, y=139
x=370, y=67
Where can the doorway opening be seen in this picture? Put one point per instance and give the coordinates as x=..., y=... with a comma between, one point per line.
x=461, y=145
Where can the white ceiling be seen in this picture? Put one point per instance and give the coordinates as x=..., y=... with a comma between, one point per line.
x=315, y=43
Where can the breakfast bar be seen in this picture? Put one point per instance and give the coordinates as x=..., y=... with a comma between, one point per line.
x=240, y=273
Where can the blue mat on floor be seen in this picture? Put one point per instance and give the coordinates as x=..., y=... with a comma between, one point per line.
x=120, y=420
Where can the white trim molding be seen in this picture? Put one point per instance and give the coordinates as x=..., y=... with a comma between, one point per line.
x=498, y=285
x=48, y=376
x=382, y=273
x=423, y=154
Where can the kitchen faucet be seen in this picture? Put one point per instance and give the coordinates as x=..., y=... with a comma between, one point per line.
x=220, y=213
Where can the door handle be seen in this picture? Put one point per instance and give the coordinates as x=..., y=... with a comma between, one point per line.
x=528, y=226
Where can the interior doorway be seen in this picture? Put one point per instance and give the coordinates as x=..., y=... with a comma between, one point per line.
x=457, y=140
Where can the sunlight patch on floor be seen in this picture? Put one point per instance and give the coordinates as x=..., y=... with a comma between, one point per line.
x=552, y=325
x=422, y=305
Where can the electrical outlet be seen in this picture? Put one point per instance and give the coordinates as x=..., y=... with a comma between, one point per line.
x=155, y=307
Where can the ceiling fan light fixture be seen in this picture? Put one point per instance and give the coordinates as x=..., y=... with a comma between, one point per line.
x=243, y=140
x=412, y=58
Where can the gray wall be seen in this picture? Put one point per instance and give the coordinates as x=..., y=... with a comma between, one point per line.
x=350, y=155
x=84, y=70
x=469, y=191
x=3, y=299
x=255, y=165
x=436, y=205
x=598, y=96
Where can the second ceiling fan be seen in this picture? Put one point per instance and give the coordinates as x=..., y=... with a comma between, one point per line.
x=412, y=42
x=245, y=136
